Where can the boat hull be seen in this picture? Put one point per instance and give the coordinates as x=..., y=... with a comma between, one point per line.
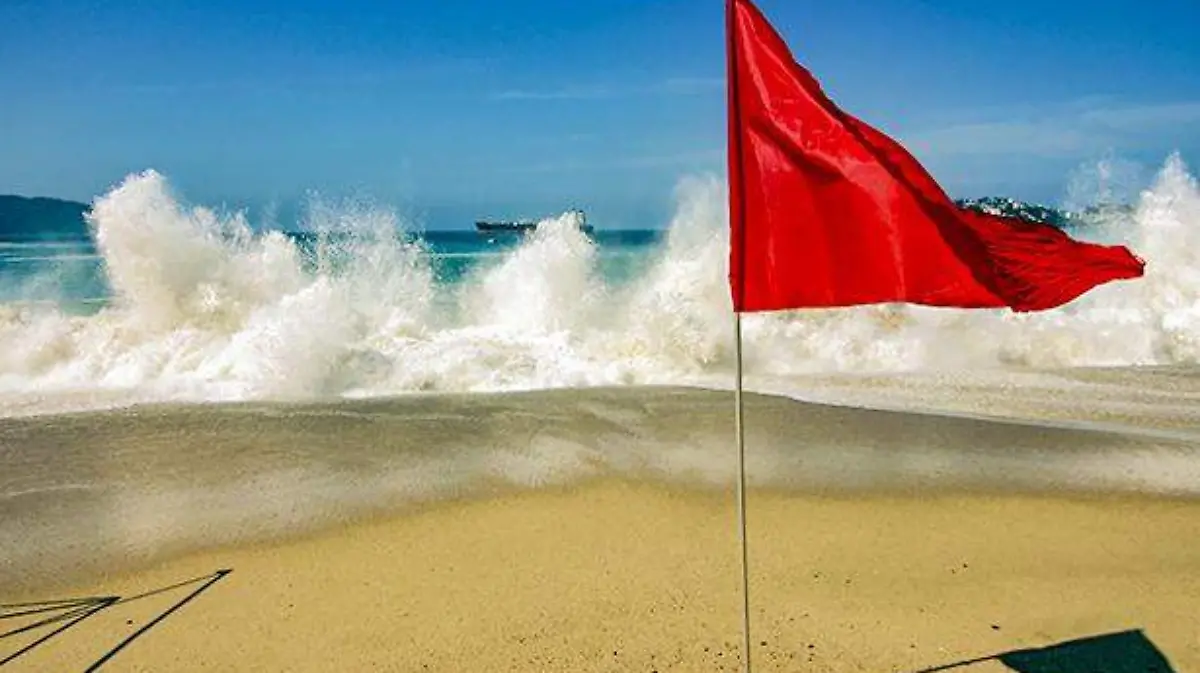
x=515, y=227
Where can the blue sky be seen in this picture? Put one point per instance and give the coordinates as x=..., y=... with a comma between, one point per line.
x=452, y=109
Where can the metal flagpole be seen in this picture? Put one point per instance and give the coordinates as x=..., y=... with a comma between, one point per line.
x=741, y=490
x=735, y=171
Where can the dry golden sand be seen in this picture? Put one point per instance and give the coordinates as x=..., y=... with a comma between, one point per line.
x=620, y=576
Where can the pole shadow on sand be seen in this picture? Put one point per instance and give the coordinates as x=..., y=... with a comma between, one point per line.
x=62, y=614
x=1128, y=651
x=1120, y=652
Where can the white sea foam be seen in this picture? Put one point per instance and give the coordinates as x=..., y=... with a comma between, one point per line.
x=205, y=309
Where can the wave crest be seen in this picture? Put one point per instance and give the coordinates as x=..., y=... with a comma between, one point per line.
x=207, y=309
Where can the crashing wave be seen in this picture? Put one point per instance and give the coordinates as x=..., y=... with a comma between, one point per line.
x=206, y=308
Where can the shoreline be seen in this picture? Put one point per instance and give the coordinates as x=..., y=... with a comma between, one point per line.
x=1118, y=398
x=561, y=578
x=99, y=489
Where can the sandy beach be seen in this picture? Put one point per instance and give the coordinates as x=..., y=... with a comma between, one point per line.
x=616, y=575
x=407, y=338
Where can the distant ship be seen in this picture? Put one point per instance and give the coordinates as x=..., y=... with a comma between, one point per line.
x=486, y=227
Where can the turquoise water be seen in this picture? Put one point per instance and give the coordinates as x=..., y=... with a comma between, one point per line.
x=71, y=273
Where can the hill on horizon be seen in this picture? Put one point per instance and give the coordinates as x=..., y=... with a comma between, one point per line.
x=41, y=218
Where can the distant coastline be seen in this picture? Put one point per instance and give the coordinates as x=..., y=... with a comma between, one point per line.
x=41, y=218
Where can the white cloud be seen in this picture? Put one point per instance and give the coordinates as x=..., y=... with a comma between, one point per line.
x=688, y=86
x=697, y=159
x=568, y=93
x=1042, y=139
x=1067, y=130
x=673, y=86
x=1143, y=117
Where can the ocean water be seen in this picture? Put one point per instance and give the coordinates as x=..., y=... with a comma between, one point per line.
x=71, y=274
x=174, y=302
x=184, y=378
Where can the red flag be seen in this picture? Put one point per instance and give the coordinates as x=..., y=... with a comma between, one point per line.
x=826, y=211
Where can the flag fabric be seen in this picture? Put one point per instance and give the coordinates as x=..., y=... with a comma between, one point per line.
x=826, y=211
